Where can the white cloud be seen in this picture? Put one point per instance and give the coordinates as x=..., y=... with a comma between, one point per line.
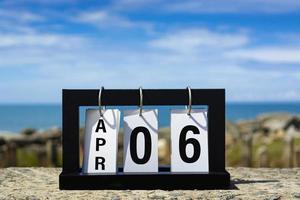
x=192, y=56
x=37, y=60
x=21, y=16
x=101, y=17
x=46, y=40
x=272, y=55
x=18, y=21
x=106, y=18
x=189, y=40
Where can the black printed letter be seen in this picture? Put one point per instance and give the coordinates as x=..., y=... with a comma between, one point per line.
x=99, y=161
x=101, y=125
x=100, y=142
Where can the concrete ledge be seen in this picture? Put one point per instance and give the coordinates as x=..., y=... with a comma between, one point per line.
x=247, y=183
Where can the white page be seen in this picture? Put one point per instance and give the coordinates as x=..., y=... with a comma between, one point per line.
x=192, y=126
x=99, y=158
x=145, y=136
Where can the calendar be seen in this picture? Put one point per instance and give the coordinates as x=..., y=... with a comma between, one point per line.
x=197, y=138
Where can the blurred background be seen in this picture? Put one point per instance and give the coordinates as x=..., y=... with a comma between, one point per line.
x=249, y=47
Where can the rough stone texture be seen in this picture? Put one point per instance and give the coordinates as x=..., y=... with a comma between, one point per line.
x=247, y=183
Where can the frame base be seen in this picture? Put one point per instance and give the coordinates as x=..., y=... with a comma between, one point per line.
x=164, y=180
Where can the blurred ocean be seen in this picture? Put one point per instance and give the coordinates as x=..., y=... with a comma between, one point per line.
x=14, y=118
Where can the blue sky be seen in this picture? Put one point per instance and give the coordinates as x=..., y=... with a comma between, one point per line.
x=249, y=47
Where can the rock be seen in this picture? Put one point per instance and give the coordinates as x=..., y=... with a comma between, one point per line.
x=293, y=122
x=262, y=192
x=296, y=195
x=28, y=131
x=176, y=193
x=247, y=126
x=163, y=150
x=273, y=197
x=251, y=183
x=274, y=122
x=32, y=197
x=278, y=185
x=292, y=132
x=230, y=197
x=155, y=196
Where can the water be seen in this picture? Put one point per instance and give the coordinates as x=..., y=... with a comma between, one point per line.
x=14, y=118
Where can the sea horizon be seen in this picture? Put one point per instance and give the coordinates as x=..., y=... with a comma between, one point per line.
x=15, y=117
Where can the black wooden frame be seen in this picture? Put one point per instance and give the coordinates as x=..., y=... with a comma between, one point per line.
x=72, y=176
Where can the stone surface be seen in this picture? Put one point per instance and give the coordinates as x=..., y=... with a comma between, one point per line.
x=247, y=183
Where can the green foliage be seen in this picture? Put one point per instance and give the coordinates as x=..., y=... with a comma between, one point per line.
x=59, y=159
x=26, y=158
x=275, y=152
x=234, y=154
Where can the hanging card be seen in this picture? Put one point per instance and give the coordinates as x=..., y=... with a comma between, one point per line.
x=140, y=141
x=101, y=141
x=189, y=141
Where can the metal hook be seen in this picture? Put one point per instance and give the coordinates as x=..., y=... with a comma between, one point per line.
x=100, y=102
x=141, y=101
x=190, y=100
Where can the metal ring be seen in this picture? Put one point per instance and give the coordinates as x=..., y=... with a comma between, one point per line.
x=190, y=100
x=100, y=102
x=141, y=101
